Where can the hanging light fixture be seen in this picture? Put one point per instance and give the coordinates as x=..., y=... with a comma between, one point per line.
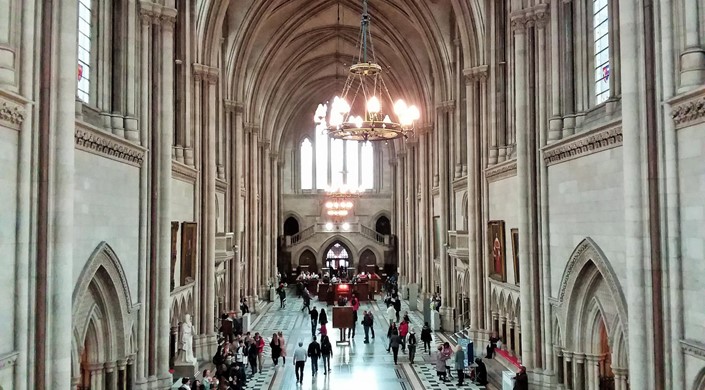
x=365, y=79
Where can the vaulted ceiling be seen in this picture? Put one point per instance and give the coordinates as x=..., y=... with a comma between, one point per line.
x=284, y=57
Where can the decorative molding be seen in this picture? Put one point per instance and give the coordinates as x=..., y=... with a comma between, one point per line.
x=11, y=115
x=584, y=144
x=501, y=171
x=446, y=106
x=9, y=359
x=101, y=143
x=183, y=172
x=221, y=185
x=688, y=109
x=476, y=73
x=693, y=348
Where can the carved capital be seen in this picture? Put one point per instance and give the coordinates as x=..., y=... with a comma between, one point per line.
x=212, y=75
x=477, y=73
x=167, y=22
x=11, y=115
x=274, y=156
x=689, y=111
x=446, y=106
x=424, y=128
x=229, y=105
x=264, y=144
x=146, y=17
x=518, y=23
x=200, y=71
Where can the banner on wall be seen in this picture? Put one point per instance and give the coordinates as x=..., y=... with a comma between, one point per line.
x=467, y=346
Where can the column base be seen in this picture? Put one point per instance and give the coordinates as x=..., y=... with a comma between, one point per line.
x=692, y=69
x=447, y=320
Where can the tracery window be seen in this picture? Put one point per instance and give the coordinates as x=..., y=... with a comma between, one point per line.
x=85, y=25
x=336, y=163
x=601, y=49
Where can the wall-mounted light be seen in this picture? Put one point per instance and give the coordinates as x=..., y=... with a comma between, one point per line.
x=346, y=226
x=329, y=226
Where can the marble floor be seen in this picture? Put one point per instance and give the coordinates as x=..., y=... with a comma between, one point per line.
x=353, y=366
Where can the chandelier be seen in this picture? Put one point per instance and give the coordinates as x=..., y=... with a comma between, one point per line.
x=339, y=203
x=365, y=79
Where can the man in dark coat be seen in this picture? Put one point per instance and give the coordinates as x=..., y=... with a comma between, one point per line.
x=314, y=352
x=521, y=380
x=480, y=372
x=314, y=320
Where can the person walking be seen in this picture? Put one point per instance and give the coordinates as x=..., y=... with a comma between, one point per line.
x=460, y=364
x=252, y=356
x=355, y=303
x=260, y=350
x=314, y=352
x=403, y=331
x=392, y=329
x=447, y=354
x=412, y=345
x=282, y=345
x=323, y=317
x=366, y=326
x=441, y=365
x=314, y=320
x=426, y=338
x=275, y=346
x=394, y=343
x=300, y=362
x=326, y=353
x=390, y=313
x=281, y=291
x=307, y=300
x=397, y=307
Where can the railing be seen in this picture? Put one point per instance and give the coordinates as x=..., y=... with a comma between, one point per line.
x=301, y=236
x=372, y=234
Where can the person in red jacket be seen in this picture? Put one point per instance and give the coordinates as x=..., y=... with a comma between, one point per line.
x=403, y=331
x=259, y=342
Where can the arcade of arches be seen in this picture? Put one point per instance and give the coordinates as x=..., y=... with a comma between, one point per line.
x=159, y=159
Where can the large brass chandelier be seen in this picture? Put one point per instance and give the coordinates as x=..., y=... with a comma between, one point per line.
x=365, y=78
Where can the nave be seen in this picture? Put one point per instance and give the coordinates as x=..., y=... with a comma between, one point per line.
x=358, y=364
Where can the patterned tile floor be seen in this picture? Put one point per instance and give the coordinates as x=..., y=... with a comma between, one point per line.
x=352, y=366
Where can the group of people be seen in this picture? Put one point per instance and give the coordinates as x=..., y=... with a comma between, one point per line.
x=314, y=352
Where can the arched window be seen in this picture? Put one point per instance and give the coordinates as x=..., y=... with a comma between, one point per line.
x=338, y=163
x=367, y=161
x=306, y=165
x=601, y=49
x=85, y=33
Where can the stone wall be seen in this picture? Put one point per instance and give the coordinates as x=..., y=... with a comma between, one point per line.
x=8, y=214
x=106, y=208
x=585, y=199
x=691, y=164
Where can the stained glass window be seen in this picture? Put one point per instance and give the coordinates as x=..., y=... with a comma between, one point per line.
x=601, y=49
x=85, y=18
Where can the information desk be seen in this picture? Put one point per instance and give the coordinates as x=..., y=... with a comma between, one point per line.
x=331, y=292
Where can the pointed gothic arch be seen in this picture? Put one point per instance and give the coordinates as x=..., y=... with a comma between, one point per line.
x=102, y=313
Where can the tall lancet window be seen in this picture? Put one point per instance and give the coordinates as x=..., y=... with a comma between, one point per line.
x=306, y=165
x=600, y=22
x=352, y=179
x=321, y=157
x=367, y=163
x=85, y=25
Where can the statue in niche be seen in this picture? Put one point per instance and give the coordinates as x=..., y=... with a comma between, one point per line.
x=186, y=344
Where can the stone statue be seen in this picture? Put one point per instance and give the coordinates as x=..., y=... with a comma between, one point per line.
x=186, y=345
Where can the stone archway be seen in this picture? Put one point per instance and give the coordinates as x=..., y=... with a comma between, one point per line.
x=592, y=315
x=368, y=261
x=307, y=261
x=102, y=323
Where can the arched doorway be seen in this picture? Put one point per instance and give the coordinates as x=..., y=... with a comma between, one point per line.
x=307, y=261
x=383, y=226
x=368, y=261
x=337, y=259
x=102, y=323
x=291, y=226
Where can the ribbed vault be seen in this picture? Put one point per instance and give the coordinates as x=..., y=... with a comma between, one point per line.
x=284, y=57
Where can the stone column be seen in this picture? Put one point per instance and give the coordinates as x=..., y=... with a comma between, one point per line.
x=61, y=197
x=166, y=135
x=209, y=220
x=693, y=57
x=511, y=337
x=555, y=123
x=110, y=376
x=567, y=369
x=634, y=190
x=129, y=374
x=275, y=214
x=592, y=366
x=254, y=218
x=558, y=356
x=266, y=213
x=620, y=379
x=523, y=173
x=473, y=164
x=579, y=372
x=122, y=374
x=237, y=203
x=423, y=212
x=145, y=196
x=96, y=372
x=443, y=129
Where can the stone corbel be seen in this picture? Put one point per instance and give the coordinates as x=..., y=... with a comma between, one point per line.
x=229, y=105
x=274, y=156
x=446, y=106
x=11, y=115
x=518, y=22
x=212, y=75
x=424, y=129
x=264, y=144
x=540, y=15
x=200, y=71
x=473, y=74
